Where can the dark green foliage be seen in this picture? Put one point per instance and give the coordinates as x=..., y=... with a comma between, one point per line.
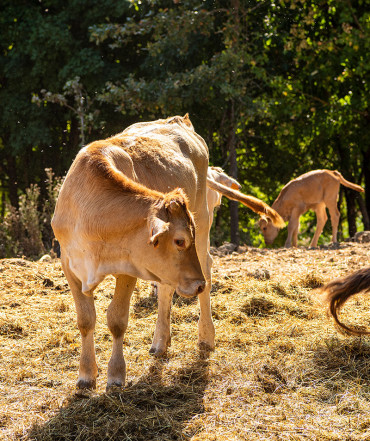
x=275, y=88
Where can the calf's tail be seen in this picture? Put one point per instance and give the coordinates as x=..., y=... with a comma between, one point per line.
x=347, y=183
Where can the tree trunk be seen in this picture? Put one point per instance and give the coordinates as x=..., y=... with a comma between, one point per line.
x=233, y=170
x=366, y=171
x=2, y=214
x=11, y=171
x=218, y=232
x=348, y=193
x=365, y=215
x=74, y=143
x=351, y=211
x=340, y=201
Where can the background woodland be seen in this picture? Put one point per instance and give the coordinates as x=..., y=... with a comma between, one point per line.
x=276, y=88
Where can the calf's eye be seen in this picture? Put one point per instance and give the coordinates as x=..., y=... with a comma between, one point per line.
x=180, y=243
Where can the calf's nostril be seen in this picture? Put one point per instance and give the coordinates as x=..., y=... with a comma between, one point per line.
x=201, y=287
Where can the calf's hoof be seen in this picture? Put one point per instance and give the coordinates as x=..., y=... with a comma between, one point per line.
x=116, y=372
x=158, y=351
x=159, y=348
x=206, y=346
x=85, y=384
x=115, y=385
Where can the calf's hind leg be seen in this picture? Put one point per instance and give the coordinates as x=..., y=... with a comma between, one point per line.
x=86, y=318
x=117, y=317
x=321, y=219
x=334, y=217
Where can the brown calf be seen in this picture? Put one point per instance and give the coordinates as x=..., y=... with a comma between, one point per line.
x=314, y=190
x=120, y=211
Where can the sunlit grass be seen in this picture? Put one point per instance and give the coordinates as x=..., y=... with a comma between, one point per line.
x=280, y=370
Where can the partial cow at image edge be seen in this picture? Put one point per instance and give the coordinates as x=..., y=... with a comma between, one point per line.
x=340, y=290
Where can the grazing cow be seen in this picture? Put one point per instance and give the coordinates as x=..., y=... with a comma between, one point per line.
x=315, y=191
x=220, y=184
x=121, y=211
x=338, y=291
x=216, y=174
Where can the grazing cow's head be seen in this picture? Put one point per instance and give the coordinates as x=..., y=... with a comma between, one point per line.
x=269, y=231
x=172, y=257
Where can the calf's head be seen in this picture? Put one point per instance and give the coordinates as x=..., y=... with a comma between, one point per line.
x=268, y=230
x=172, y=256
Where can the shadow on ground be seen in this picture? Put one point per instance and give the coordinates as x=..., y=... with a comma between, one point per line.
x=347, y=359
x=147, y=410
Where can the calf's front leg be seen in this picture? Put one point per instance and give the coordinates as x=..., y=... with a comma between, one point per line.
x=206, y=329
x=117, y=317
x=162, y=333
x=293, y=226
x=86, y=318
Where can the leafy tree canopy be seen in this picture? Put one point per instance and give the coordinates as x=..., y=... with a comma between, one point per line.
x=276, y=88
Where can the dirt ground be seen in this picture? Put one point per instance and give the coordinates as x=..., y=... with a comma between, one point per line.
x=280, y=371
x=283, y=263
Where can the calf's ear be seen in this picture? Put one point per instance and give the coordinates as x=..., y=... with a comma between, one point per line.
x=157, y=228
x=264, y=221
x=187, y=121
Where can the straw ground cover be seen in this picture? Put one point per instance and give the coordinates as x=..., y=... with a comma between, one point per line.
x=280, y=370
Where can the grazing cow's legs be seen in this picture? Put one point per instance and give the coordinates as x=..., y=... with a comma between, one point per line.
x=321, y=218
x=117, y=317
x=293, y=227
x=162, y=334
x=295, y=235
x=86, y=318
x=334, y=217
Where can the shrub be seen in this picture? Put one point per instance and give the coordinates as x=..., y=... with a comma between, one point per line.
x=26, y=231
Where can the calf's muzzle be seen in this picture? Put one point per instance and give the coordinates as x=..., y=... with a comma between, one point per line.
x=191, y=288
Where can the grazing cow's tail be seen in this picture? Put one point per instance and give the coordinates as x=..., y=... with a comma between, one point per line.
x=251, y=202
x=338, y=291
x=347, y=183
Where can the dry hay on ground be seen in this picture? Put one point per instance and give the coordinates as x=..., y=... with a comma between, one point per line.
x=280, y=370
